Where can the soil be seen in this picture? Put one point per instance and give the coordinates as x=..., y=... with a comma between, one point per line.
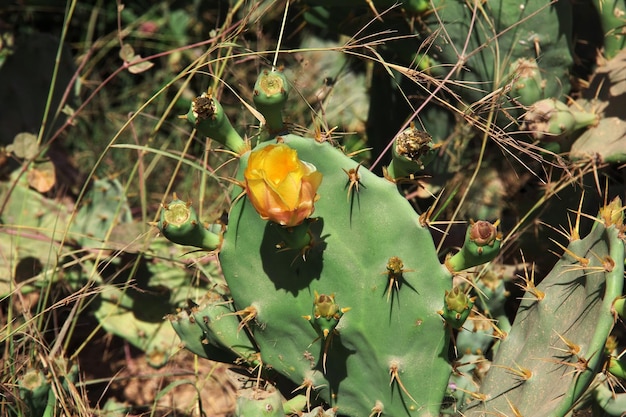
x=186, y=386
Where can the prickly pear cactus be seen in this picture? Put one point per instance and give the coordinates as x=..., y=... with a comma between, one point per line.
x=368, y=359
x=336, y=284
x=505, y=42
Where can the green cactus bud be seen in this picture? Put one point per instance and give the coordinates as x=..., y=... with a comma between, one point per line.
x=208, y=117
x=457, y=307
x=482, y=244
x=528, y=86
x=326, y=314
x=617, y=367
x=320, y=412
x=260, y=404
x=34, y=389
x=270, y=95
x=619, y=307
x=179, y=223
x=411, y=150
x=416, y=6
x=295, y=405
x=553, y=120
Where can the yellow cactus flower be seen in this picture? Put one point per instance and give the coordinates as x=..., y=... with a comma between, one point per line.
x=280, y=186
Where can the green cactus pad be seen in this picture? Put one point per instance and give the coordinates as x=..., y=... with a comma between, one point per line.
x=212, y=330
x=559, y=338
x=500, y=33
x=387, y=356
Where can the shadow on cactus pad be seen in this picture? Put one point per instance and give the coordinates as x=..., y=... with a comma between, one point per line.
x=293, y=247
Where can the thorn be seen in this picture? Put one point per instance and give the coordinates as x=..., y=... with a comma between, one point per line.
x=395, y=376
x=523, y=373
x=572, y=348
x=377, y=410
x=529, y=282
x=246, y=315
x=371, y=4
x=354, y=180
x=515, y=410
x=582, y=261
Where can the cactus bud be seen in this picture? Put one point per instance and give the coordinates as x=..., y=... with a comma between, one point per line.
x=208, y=117
x=412, y=149
x=179, y=224
x=270, y=95
x=326, y=314
x=528, y=85
x=482, y=244
x=457, y=307
x=553, y=120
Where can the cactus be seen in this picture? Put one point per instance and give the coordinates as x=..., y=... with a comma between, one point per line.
x=553, y=120
x=37, y=392
x=281, y=290
x=502, y=38
x=605, y=141
x=335, y=293
x=270, y=95
x=612, y=20
x=556, y=345
x=336, y=283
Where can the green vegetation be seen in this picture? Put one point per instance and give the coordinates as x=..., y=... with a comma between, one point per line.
x=312, y=208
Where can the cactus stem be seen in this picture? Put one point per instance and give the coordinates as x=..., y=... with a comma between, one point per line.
x=395, y=377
